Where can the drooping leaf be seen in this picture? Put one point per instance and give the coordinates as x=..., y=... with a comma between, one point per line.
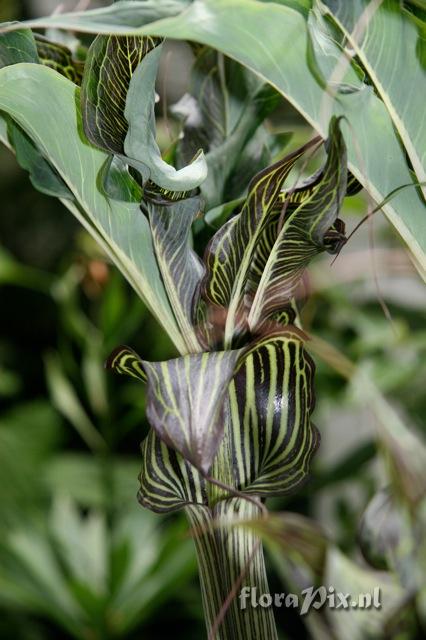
x=110, y=65
x=167, y=481
x=43, y=103
x=140, y=145
x=177, y=406
x=16, y=47
x=303, y=235
x=42, y=175
x=230, y=252
x=269, y=435
x=180, y=266
x=59, y=58
x=374, y=153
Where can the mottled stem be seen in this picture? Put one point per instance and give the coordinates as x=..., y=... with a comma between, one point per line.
x=230, y=558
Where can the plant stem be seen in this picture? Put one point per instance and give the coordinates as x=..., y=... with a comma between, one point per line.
x=230, y=557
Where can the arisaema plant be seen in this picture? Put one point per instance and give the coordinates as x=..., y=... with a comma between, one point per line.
x=231, y=415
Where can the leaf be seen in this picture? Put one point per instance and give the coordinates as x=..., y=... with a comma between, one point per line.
x=390, y=29
x=43, y=103
x=58, y=57
x=82, y=543
x=168, y=481
x=223, y=114
x=237, y=28
x=177, y=407
x=229, y=254
x=66, y=401
x=130, y=14
x=382, y=529
x=303, y=235
x=117, y=183
x=140, y=146
x=110, y=65
x=269, y=439
x=403, y=452
x=17, y=46
x=359, y=623
x=298, y=539
x=283, y=209
x=42, y=175
x=44, y=576
x=180, y=266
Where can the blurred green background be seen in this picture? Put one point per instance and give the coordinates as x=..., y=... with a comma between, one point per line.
x=78, y=557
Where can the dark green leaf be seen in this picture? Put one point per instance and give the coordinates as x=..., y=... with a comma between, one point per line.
x=42, y=175
x=305, y=234
x=180, y=267
x=59, y=57
x=177, y=406
x=117, y=183
x=168, y=481
x=230, y=252
x=110, y=64
x=269, y=436
x=17, y=46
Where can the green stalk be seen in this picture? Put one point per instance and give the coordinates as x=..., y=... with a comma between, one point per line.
x=229, y=559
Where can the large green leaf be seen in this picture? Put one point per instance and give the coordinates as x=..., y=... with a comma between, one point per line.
x=44, y=104
x=400, y=78
x=238, y=28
